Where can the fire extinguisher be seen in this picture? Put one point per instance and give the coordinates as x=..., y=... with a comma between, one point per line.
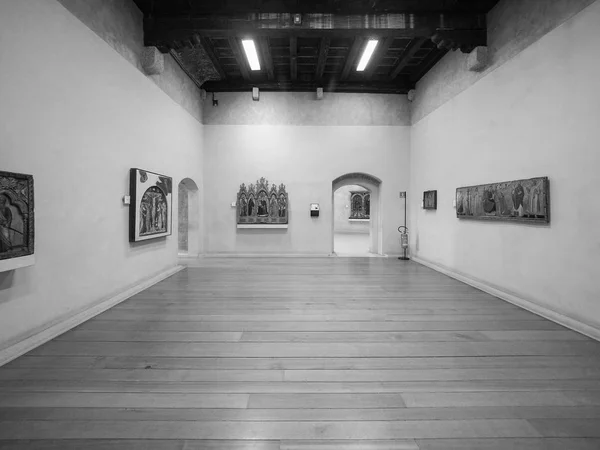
x=403, y=242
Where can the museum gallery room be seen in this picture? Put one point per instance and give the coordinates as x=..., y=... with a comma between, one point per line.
x=299, y=224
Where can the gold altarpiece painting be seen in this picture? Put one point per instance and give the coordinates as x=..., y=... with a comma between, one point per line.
x=262, y=203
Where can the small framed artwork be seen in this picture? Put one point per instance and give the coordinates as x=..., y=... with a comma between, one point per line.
x=16, y=215
x=430, y=200
x=150, y=214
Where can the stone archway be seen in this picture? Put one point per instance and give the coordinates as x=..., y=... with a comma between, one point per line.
x=189, y=219
x=372, y=184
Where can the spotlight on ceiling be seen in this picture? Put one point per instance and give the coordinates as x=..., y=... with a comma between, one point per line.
x=366, y=56
x=251, y=54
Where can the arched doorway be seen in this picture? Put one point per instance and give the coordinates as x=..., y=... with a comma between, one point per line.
x=366, y=197
x=189, y=219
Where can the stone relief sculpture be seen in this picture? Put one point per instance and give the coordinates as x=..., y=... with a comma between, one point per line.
x=260, y=204
x=16, y=215
x=516, y=201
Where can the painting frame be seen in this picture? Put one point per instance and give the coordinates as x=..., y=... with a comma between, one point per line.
x=360, y=205
x=17, y=195
x=262, y=204
x=150, y=194
x=492, y=202
x=430, y=199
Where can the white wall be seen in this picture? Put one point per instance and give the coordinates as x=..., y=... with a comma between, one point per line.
x=277, y=138
x=77, y=116
x=537, y=115
x=512, y=26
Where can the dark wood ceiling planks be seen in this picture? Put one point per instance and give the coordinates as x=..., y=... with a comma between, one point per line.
x=323, y=50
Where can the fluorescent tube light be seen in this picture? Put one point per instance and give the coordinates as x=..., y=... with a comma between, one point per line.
x=251, y=54
x=366, y=56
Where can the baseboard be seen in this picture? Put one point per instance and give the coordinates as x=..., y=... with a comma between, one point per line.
x=56, y=329
x=266, y=255
x=559, y=317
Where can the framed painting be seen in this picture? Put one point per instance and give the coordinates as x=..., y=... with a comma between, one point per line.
x=360, y=205
x=262, y=204
x=16, y=215
x=150, y=212
x=430, y=200
x=516, y=201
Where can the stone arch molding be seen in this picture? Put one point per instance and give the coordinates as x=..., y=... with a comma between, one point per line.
x=189, y=217
x=373, y=184
x=351, y=178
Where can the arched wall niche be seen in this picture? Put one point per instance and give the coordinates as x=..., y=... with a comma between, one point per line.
x=373, y=184
x=189, y=218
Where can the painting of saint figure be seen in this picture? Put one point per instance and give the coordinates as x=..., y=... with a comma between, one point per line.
x=16, y=215
x=243, y=206
x=150, y=209
x=273, y=206
x=517, y=201
x=251, y=209
x=262, y=204
x=282, y=205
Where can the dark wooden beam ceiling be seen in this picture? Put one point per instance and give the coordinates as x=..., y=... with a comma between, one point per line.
x=210, y=51
x=265, y=50
x=322, y=49
x=294, y=58
x=331, y=85
x=192, y=7
x=165, y=30
x=357, y=46
x=323, y=52
x=431, y=60
x=239, y=57
x=380, y=51
x=409, y=52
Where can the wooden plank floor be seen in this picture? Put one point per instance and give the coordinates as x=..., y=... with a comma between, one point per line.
x=307, y=354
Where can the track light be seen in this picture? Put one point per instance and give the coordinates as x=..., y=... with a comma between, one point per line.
x=251, y=54
x=366, y=56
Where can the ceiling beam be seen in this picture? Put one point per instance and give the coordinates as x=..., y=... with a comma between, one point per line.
x=307, y=7
x=210, y=51
x=159, y=30
x=380, y=51
x=323, y=52
x=293, y=58
x=239, y=57
x=330, y=85
x=265, y=50
x=352, y=55
x=430, y=61
x=412, y=48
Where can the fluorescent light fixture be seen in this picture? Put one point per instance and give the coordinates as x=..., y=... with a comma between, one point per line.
x=251, y=54
x=366, y=56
